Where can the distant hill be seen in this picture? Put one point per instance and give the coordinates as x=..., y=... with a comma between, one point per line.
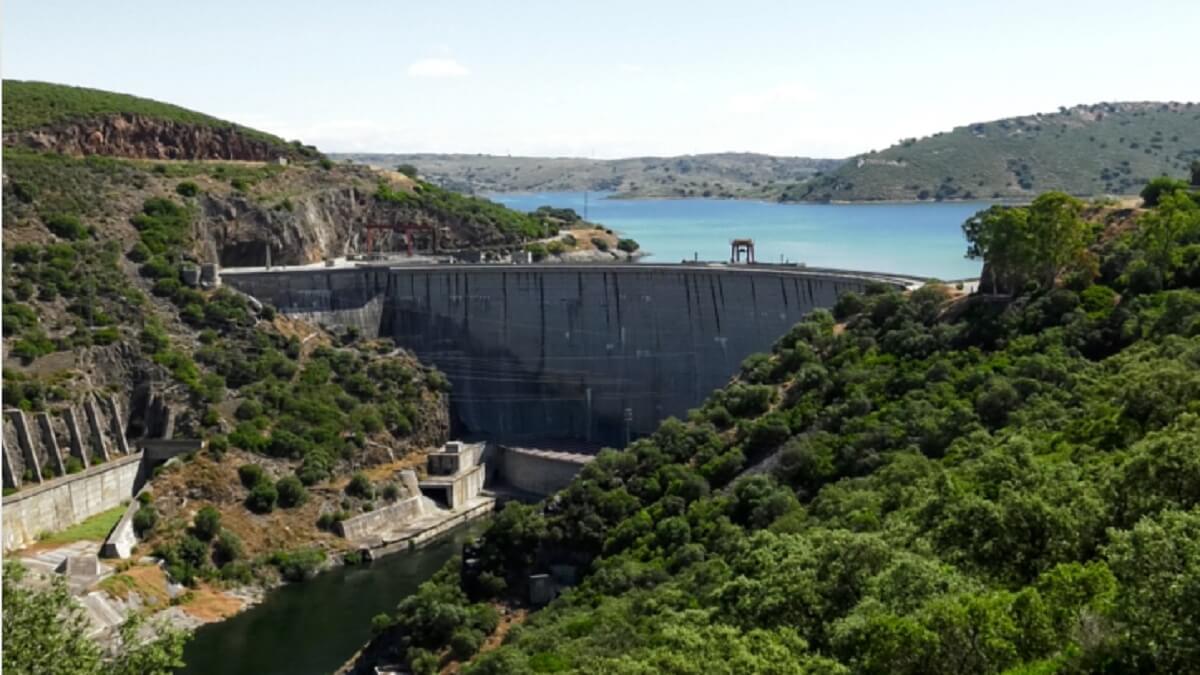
x=727, y=175
x=1087, y=150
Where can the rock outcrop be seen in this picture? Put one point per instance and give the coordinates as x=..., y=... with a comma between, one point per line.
x=142, y=137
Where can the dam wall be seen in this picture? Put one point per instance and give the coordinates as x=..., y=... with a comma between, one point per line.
x=588, y=352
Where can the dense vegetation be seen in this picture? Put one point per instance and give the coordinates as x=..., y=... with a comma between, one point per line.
x=723, y=175
x=904, y=485
x=35, y=105
x=1107, y=148
x=46, y=632
x=473, y=212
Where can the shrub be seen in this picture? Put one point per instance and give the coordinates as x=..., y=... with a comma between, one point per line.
x=263, y=497
x=360, y=486
x=188, y=189
x=627, y=245
x=73, y=465
x=248, y=409
x=537, y=250
x=144, y=520
x=600, y=243
x=465, y=642
x=556, y=248
x=1160, y=186
x=380, y=623
x=291, y=492
x=391, y=492
x=228, y=548
x=298, y=565
x=67, y=227
x=207, y=523
x=251, y=474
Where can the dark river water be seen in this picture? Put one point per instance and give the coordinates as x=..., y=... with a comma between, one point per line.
x=316, y=626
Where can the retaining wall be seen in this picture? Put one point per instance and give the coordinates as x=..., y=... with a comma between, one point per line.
x=370, y=525
x=62, y=502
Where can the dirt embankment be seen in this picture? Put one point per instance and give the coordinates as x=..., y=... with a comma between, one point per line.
x=141, y=137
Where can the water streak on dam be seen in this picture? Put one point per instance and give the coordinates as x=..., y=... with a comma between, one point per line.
x=563, y=351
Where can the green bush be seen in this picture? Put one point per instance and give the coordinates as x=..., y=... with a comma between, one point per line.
x=291, y=492
x=228, y=548
x=298, y=565
x=188, y=189
x=251, y=474
x=206, y=523
x=263, y=497
x=74, y=465
x=360, y=486
x=556, y=247
x=144, y=520
x=600, y=243
x=627, y=245
x=536, y=250
x=67, y=227
x=391, y=492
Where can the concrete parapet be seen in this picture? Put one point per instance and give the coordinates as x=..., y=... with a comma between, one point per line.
x=50, y=442
x=25, y=441
x=76, y=438
x=120, y=542
x=408, y=478
x=99, y=443
x=538, y=471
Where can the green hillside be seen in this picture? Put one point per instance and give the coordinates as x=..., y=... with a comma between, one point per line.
x=909, y=484
x=1107, y=148
x=44, y=105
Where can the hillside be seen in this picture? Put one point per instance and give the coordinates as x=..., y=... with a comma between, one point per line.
x=1087, y=150
x=79, y=121
x=97, y=300
x=725, y=175
x=909, y=484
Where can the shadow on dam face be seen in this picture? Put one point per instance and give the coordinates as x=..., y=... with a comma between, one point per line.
x=564, y=351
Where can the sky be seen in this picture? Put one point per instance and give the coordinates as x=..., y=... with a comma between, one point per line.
x=614, y=78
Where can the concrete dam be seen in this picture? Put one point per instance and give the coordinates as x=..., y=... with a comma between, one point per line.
x=582, y=352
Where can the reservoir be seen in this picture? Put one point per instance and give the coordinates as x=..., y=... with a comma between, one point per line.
x=923, y=239
x=314, y=627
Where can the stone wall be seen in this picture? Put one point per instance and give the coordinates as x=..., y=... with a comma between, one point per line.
x=62, y=502
x=563, y=351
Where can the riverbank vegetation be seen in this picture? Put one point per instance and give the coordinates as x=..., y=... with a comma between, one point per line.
x=907, y=484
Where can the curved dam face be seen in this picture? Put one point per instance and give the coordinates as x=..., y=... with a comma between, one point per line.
x=562, y=351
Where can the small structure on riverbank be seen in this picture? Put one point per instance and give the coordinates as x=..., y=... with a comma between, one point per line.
x=737, y=247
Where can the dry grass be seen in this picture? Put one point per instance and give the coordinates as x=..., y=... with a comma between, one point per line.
x=148, y=581
x=208, y=604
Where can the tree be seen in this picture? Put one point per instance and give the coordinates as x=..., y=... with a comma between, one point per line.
x=1022, y=244
x=1163, y=185
x=291, y=492
x=45, y=632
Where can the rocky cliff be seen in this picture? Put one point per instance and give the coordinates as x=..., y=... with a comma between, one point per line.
x=138, y=136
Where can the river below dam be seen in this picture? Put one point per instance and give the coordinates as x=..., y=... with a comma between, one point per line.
x=922, y=239
x=314, y=627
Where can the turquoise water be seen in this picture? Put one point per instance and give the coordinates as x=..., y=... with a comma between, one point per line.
x=918, y=239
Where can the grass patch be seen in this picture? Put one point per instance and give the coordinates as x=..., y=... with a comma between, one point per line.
x=95, y=528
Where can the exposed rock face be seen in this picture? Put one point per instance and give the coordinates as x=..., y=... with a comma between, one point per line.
x=146, y=138
x=235, y=230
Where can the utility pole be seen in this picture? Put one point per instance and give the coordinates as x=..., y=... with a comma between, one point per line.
x=628, y=424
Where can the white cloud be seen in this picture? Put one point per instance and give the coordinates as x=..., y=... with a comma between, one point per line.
x=781, y=95
x=437, y=68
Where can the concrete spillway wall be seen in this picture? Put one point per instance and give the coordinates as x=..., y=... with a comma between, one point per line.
x=548, y=351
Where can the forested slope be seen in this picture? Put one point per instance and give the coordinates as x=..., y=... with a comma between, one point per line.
x=985, y=485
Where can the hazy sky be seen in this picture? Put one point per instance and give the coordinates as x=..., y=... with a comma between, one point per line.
x=613, y=78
